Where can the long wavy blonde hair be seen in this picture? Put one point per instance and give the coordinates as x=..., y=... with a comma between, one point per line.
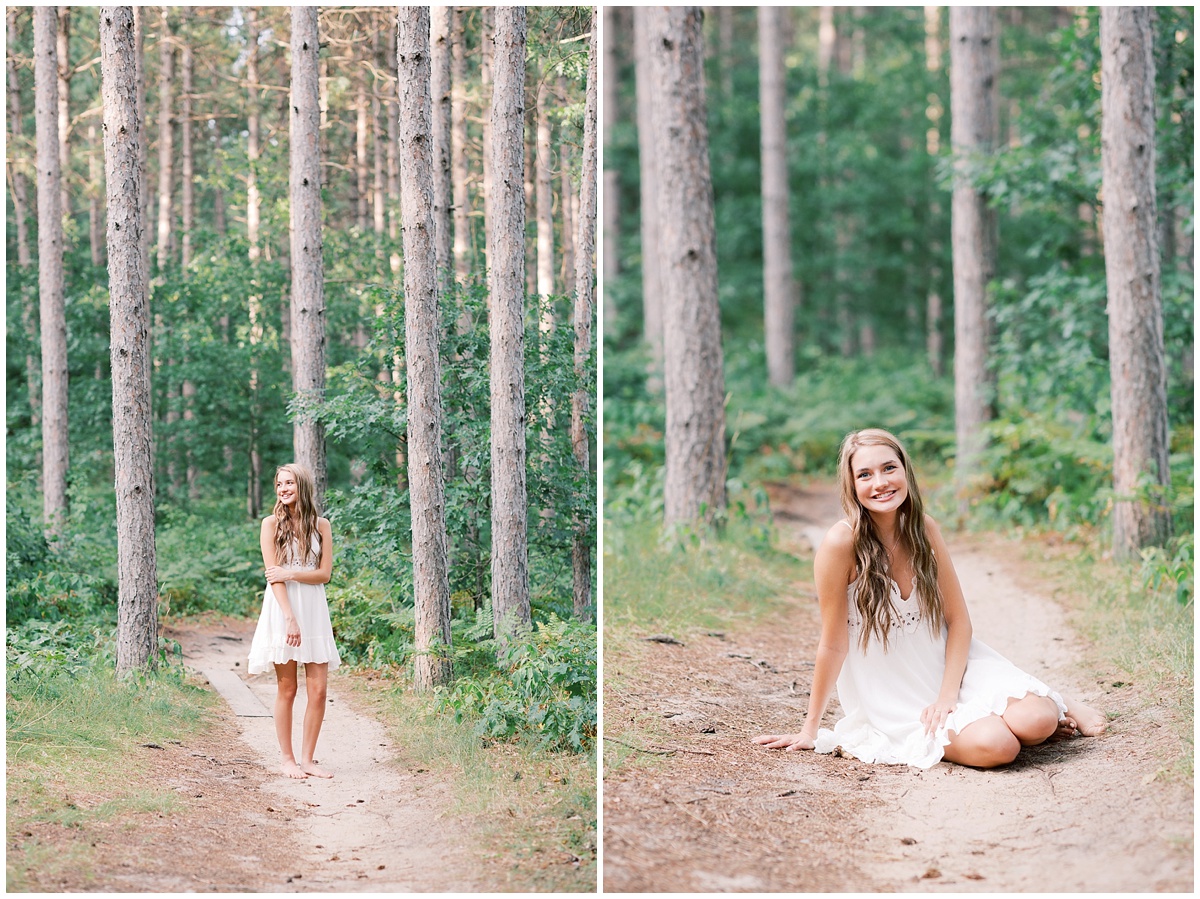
x=296, y=524
x=873, y=599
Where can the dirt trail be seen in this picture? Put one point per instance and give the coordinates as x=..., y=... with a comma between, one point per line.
x=1081, y=815
x=379, y=825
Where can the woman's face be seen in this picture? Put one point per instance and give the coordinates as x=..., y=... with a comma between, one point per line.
x=285, y=487
x=879, y=480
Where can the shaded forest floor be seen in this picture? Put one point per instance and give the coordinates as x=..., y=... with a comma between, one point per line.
x=719, y=814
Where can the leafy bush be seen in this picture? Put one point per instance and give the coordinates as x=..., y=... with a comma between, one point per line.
x=543, y=691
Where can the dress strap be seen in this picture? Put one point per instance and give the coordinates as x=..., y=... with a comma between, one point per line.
x=846, y=523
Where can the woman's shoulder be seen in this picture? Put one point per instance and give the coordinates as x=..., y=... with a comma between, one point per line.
x=840, y=536
x=268, y=523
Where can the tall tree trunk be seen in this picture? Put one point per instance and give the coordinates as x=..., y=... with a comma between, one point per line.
x=20, y=192
x=649, y=170
x=694, y=493
x=393, y=167
x=308, y=271
x=443, y=239
x=933, y=301
x=612, y=175
x=506, y=268
x=779, y=297
x=487, y=27
x=139, y=59
x=361, y=127
x=188, y=173
x=974, y=128
x=50, y=271
x=585, y=248
x=567, y=199
x=166, y=155
x=133, y=454
x=254, y=311
x=418, y=162
x=64, y=108
x=1135, y=319
x=459, y=165
x=378, y=141
x=20, y=196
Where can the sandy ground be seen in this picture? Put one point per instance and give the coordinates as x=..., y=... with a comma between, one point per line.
x=719, y=814
x=377, y=825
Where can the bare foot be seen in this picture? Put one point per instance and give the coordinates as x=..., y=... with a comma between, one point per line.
x=1087, y=720
x=315, y=770
x=291, y=769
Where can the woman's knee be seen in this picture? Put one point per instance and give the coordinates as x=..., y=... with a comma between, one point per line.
x=987, y=743
x=1032, y=719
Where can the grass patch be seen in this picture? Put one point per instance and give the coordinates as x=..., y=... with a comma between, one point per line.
x=72, y=742
x=534, y=811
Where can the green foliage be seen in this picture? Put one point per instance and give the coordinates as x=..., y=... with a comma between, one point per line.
x=543, y=690
x=1171, y=570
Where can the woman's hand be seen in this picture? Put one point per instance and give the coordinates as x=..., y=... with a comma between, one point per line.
x=278, y=575
x=292, y=628
x=788, y=742
x=935, y=716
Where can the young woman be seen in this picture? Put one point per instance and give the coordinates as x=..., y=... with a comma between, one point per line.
x=297, y=548
x=915, y=686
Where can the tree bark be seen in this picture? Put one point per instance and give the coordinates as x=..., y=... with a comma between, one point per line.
x=933, y=300
x=64, y=108
x=254, y=310
x=378, y=141
x=166, y=75
x=544, y=203
x=506, y=268
x=418, y=161
x=308, y=271
x=648, y=167
x=974, y=129
x=459, y=165
x=695, y=386
x=50, y=272
x=253, y=134
x=393, y=166
x=779, y=290
x=137, y=603
x=139, y=58
x=1135, y=318
x=20, y=192
x=188, y=173
x=585, y=247
x=440, y=37
x=361, y=127
x=487, y=27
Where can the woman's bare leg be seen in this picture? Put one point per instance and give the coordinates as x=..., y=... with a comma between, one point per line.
x=285, y=697
x=986, y=743
x=1033, y=719
x=316, y=682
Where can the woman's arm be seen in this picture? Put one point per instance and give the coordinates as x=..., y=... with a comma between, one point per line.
x=319, y=575
x=833, y=567
x=266, y=540
x=958, y=633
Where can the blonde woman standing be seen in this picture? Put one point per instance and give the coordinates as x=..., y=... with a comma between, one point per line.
x=294, y=626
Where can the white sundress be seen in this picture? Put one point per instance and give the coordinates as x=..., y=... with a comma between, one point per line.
x=884, y=693
x=269, y=646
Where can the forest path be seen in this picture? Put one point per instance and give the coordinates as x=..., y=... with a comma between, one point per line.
x=1078, y=815
x=379, y=825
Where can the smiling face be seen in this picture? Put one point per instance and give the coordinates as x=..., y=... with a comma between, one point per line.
x=285, y=487
x=879, y=480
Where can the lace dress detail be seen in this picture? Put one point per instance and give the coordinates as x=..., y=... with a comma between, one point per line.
x=270, y=648
x=883, y=693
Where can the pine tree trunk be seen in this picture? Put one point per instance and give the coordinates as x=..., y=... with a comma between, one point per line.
x=506, y=269
x=95, y=190
x=649, y=168
x=254, y=310
x=64, y=108
x=166, y=155
x=378, y=143
x=933, y=301
x=361, y=176
x=20, y=192
x=612, y=175
x=253, y=127
x=418, y=163
x=1135, y=318
x=779, y=297
x=137, y=602
x=974, y=128
x=393, y=167
x=459, y=166
x=567, y=200
x=694, y=493
x=188, y=173
x=585, y=248
x=308, y=290
x=139, y=58
x=50, y=271
x=487, y=40
x=443, y=238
